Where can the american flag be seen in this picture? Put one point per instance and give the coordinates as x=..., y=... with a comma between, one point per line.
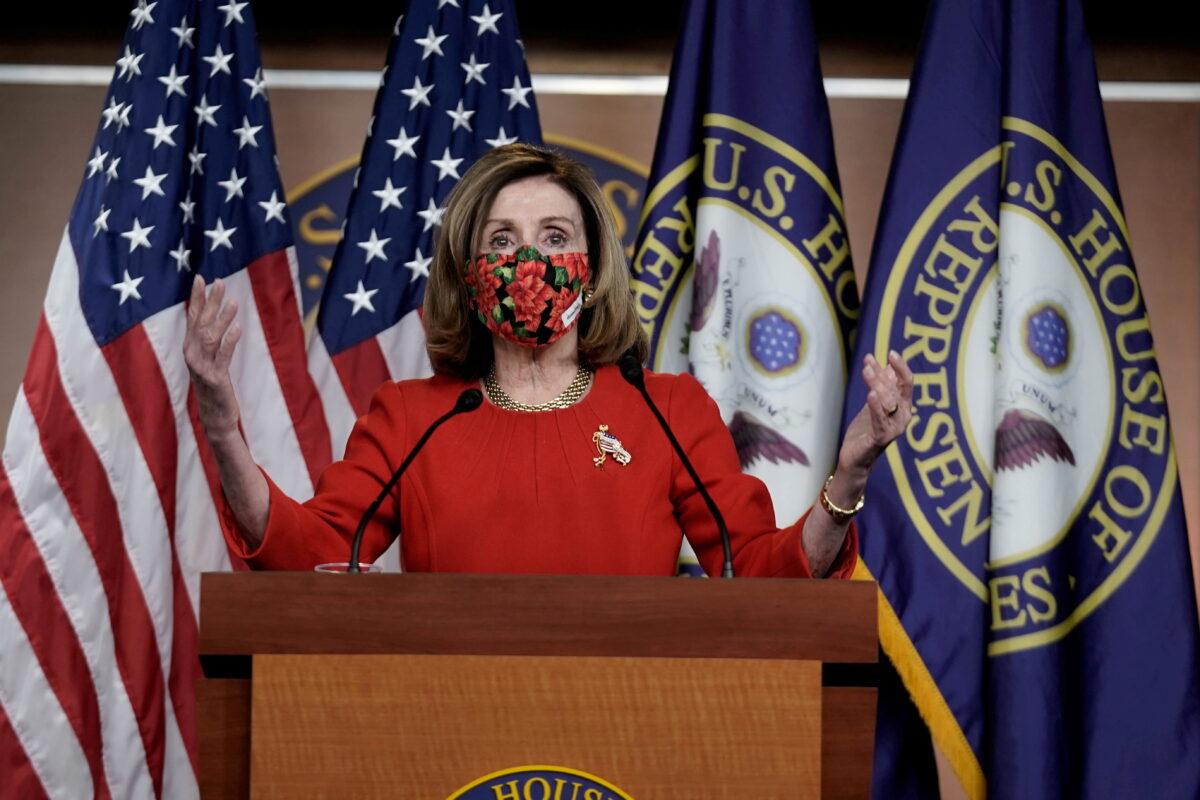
x=454, y=87
x=109, y=501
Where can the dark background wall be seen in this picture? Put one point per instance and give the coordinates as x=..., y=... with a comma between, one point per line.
x=1149, y=40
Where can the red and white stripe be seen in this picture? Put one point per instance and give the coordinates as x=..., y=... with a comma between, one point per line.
x=108, y=515
x=347, y=381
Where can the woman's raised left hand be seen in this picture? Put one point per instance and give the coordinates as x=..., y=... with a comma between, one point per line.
x=883, y=418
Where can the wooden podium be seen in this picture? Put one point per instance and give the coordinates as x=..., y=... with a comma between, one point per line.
x=414, y=686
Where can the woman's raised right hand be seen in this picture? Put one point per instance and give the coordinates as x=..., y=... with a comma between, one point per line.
x=207, y=349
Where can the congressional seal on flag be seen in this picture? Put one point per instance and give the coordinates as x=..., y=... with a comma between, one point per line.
x=742, y=268
x=1028, y=534
x=1031, y=356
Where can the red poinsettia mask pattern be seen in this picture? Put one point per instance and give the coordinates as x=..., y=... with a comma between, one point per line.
x=527, y=297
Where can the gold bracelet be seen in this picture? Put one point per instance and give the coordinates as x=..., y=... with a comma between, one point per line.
x=840, y=515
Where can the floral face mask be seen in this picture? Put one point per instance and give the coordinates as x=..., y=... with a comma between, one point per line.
x=526, y=297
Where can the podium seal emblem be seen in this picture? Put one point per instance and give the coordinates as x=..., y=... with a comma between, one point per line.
x=539, y=782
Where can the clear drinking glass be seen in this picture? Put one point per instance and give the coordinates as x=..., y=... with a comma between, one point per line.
x=343, y=567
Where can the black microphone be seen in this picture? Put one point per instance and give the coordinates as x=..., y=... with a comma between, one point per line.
x=631, y=371
x=469, y=400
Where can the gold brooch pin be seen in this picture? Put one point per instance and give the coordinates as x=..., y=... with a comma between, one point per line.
x=606, y=445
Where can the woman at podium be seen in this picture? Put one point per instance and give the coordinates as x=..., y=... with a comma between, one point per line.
x=563, y=467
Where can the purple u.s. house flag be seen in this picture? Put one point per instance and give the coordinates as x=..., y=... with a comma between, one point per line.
x=454, y=87
x=742, y=272
x=1027, y=532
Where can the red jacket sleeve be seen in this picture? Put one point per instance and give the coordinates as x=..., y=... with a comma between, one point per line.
x=301, y=535
x=759, y=548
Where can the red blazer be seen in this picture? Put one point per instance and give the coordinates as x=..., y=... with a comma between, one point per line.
x=509, y=491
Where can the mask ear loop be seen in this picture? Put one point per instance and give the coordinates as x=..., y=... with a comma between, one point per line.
x=588, y=292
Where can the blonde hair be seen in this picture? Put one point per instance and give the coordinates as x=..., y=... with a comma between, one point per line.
x=457, y=343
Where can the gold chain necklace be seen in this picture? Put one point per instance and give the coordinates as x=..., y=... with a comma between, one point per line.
x=567, y=398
